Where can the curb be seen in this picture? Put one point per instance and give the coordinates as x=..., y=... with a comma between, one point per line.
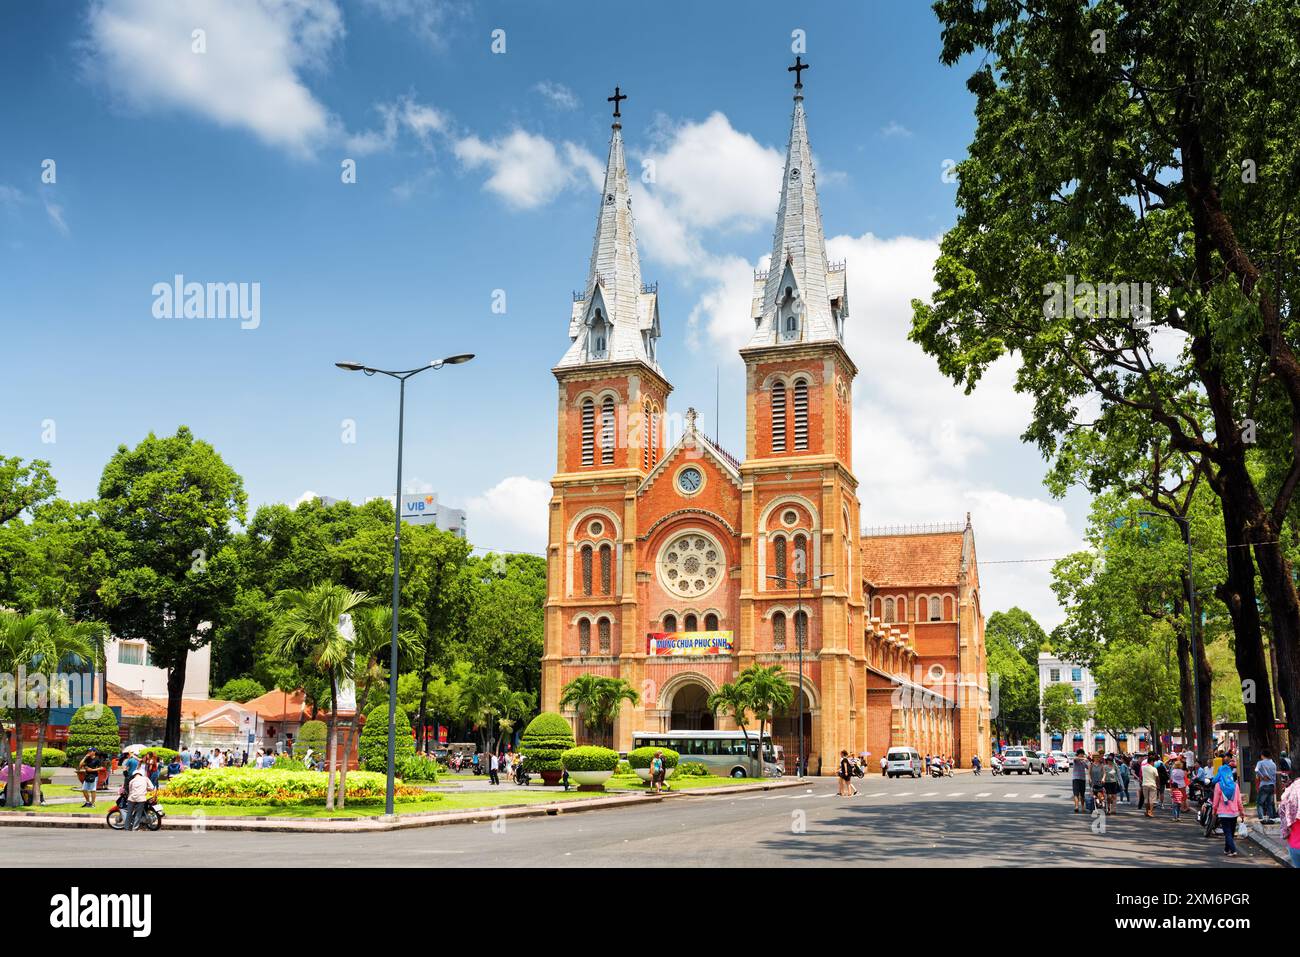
x=1269, y=843
x=373, y=824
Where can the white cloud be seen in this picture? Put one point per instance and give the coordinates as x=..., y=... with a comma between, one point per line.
x=894, y=129
x=526, y=170
x=406, y=113
x=427, y=18
x=557, y=95
x=248, y=78
x=510, y=516
x=11, y=196
x=306, y=496
x=55, y=213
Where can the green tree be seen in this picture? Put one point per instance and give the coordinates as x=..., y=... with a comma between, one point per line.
x=1061, y=713
x=1010, y=637
x=1135, y=163
x=1137, y=684
x=307, y=625
x=598, y=699
x=168, y=505
x=372, y=750
x=240, y=689
x=22, y=487
x=732, y=699
x=767, y=691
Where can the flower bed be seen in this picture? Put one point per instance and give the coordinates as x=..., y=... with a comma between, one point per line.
x=273, y=788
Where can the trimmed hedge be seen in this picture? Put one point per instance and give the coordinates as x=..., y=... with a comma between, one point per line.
x=50, y=758
x=641, y=757
x=269, y=787
x=691, y=769
x=93, y=726
x=545, y=740
x=312, y=734
x=589, y=758
x=416, y=767
x=165, y=755
x=372, y=751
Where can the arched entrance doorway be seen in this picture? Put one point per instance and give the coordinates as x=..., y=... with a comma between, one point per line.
x=785, y=732
x=690, y=710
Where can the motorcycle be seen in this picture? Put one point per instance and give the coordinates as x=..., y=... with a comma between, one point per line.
x=521, y=776
x=940, y=771
x=996, y=765
x=1052, y=769
x=116, y=817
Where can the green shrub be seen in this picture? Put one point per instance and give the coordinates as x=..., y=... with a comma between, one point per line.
x=589, y=758
x=165, y=755
x=416, y=767
x=93, y=726
x=545, y=739
x=691, y=769
x=286, y=762
x=624, y=770
x=239, y=689
x=50, y=758
x=372, y=752
x=312, y=735
x=269, y=786
x=641, y=757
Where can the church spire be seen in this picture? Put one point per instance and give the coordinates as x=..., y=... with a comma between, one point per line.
x=802, y=297
x=617, y=319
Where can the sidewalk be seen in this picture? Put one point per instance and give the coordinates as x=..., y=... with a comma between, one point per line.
x=177, y=820
x=1265, y=835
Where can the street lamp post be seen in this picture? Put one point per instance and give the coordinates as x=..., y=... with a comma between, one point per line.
x=799, y=578
x=401, y=377
x=1186, y=526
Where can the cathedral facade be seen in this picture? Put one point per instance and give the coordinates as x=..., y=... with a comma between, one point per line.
x=675, y=565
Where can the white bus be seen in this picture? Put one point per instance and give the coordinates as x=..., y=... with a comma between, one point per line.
x=725, y=753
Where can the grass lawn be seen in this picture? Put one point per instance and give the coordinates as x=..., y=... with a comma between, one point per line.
x=634, y=783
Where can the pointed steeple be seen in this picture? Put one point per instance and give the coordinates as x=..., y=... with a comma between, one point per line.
x=616, y=319
x=802, y=297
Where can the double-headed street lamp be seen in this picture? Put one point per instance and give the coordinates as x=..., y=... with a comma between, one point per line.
x=799, y=579
x=401, y=377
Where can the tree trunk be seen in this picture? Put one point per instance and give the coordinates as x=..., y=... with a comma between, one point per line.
x=13, y=765
x=1205, y=700
x=1186, y=689
x=347, y=743
x=1279, y=588
x=40, y=754
x=333, y=742
x=175, y=693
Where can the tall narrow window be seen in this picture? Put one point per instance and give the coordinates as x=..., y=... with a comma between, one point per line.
x=889, y=609
x=654, y=437
x=934, y=609
x=670, y=623
x=647, y=439
x=801, y=560
x=586, y=569
x=584, y=637
x=607, y=431
x=782, y=567
x=801, y=629
x=710, y=622
x=778, y=631
x=606, y=568
x=588, y=432
x=691, y=623
x=778, y=416
x=604, y=636
x=801, y=414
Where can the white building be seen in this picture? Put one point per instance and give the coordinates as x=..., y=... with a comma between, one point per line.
x=1052, y=671
x=128, y=665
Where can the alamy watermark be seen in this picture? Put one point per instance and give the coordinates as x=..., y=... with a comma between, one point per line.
x=179, y=299
x=37, y=690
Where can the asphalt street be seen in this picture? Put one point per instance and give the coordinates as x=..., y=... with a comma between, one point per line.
x=963, y=821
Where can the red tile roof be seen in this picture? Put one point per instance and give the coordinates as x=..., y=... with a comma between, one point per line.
x=279, y=706
x=910, y=560
x=134, y=705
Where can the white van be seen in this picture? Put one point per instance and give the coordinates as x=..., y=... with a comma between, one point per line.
x=900, y=761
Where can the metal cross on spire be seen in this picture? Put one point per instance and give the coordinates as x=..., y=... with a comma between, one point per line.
x=617, y=98
x=797, y=70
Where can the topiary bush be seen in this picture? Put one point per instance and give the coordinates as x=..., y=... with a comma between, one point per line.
x=545, y=739
x=417, y=767
x=372, y=752
x=93, y=726
x=50, y=757
x=641, y=757
x=691, y=769
x=312, y=735
x=589, y=758
x=239, y=689
x=165, y=755
x=269, y=787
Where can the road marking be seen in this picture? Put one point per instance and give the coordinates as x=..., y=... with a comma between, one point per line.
x=903, y=793
x=1042, y=795
x=929, y=794
x=983, y=794
x=1012, y=794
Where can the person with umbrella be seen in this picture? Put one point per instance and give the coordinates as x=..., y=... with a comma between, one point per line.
x=25, y=778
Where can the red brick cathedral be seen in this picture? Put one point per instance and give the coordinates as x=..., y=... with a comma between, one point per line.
x=674, y=566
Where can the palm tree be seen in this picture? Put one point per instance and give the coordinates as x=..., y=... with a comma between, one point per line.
x=598, y=700
x=16, y=634
x=582, y=694
x=55, y=640
x=372, y=627
x=767, y=691
x=730, y=699
x=613, y=692
x=486, y=697
x=307, y=625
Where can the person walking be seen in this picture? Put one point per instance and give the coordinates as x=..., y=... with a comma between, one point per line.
x=975, y=763
x=1110, y=782
x=884, y=765
x=1178, y=789
x=88, y=771
x=1227, y=806
x=658, y=774
x=493, y=766
x=1266, y=785
x=1123, y=769
x=138, y=787
x=845, y=774
x=1079, y=779
x=1097, y=781
x=1150, y=779
x=1288, y=812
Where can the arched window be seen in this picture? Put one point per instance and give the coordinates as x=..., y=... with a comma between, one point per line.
x=604, y=636
x=801, y=414
x=782, y=567
x=889, y=609
x=654, y=437
x=778, y=416
x=710, y=622
x=586, y=569
x=934, y=609
x=801, y=629
x=588, y=432
x=607, y=431
x=584, y=637
x=670, y=623
x=902, y=610
x=801, y=560
x=691, y=623
x=599, y=336
x=947, y=608
x=606, y=568
x=778, y=631
x=647, y=438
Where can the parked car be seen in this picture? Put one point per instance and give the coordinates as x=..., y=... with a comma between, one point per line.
x=1021, y=759
x=900, y=761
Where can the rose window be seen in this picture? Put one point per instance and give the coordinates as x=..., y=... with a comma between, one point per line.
x=691, y=565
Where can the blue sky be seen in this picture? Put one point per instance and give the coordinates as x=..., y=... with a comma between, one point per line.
x=474, y=173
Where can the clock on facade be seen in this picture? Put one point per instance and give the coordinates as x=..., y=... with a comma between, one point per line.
x=689, y=480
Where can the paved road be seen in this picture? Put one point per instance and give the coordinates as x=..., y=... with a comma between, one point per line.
x=960, y=821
